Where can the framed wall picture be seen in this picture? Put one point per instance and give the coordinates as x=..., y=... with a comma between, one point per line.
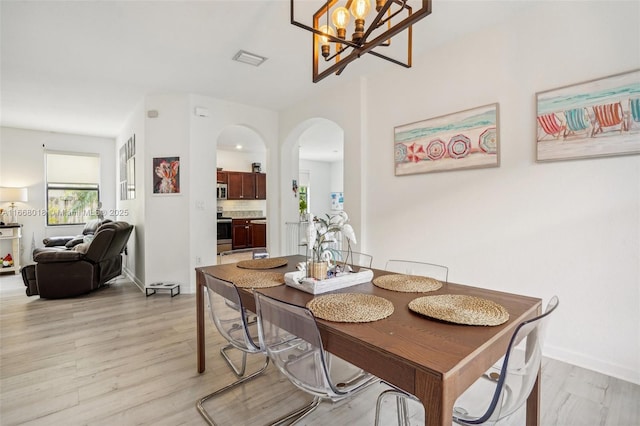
x=595, y=118
x=337, y=201
x=463, y=140
x=127, y=169
x=166, y=175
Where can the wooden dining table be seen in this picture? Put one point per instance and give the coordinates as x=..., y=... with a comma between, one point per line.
x=433, y=360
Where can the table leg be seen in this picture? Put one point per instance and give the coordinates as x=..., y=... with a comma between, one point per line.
x=438, y=405
x=533, y=404
x=200, y=321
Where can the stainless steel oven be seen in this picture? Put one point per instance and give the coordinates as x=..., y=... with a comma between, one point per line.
x=224, y=230
x=224, y=233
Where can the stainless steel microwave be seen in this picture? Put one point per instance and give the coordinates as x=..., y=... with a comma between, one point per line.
x=221, y=190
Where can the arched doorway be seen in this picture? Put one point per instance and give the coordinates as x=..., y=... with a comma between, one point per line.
x=240, y=153
x=316, y=167
x=320, y=167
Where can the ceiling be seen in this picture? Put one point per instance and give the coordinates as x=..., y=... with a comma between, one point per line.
x=83, y=66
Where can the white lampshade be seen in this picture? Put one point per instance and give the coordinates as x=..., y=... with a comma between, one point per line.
x=12, y=195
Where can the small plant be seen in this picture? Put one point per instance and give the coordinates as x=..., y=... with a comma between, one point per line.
x=303, y=206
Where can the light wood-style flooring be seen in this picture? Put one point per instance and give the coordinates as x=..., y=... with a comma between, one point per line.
x=116, y=357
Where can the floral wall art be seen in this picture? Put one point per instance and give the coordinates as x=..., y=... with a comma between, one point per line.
x=462, y=140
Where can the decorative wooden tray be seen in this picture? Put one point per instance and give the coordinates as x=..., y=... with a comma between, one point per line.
x=311, y=285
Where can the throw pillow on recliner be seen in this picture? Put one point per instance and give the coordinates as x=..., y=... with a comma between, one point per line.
x=82, y=248
x=75, y=241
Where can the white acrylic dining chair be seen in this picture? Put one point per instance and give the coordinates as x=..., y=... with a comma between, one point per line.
x=409, y=267
x=505, y=387
x=232, y=256
x=231, y=320
x=425, y=269
x=291, y=338
x=352, y=258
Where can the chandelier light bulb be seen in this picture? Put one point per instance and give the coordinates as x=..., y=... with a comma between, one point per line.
x=323, y=41
x=340, y=18
x=360, y=8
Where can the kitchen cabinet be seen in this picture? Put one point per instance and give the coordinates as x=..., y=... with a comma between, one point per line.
x=261, y=186
x=246, y=186
x=258, y=235
x=240, y=233
x=245, y=234
x=221, y=177
x=241, y=186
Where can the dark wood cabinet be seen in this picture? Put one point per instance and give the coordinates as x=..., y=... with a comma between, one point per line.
x=246, y=186
x=221, y=177
x=258, y=235
x=261, y=186
x=240, y=233
x=245, y=234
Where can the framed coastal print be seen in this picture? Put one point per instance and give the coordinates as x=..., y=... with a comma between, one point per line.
x=595, y=118
x=166, y=175
x=463, y=140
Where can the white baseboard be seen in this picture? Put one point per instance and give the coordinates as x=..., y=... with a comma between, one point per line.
x=590, y=363
x=133, y=278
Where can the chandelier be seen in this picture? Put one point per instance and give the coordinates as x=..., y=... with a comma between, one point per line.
x=337, y=41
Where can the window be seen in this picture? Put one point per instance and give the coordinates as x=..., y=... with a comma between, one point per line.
x=73, y=187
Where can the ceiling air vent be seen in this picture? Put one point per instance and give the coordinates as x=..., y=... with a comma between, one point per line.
x=249, y=58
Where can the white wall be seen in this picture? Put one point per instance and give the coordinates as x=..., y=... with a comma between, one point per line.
x=177, y=232
x=133, y=211
x=346, y=115
x=22, y=165
x=238, y=161
x=204, y=133
x=324, y=178
x=569, y=228
x=319, y=200
x=337, y=176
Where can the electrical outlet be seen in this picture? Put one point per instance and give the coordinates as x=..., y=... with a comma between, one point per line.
x=198, y=260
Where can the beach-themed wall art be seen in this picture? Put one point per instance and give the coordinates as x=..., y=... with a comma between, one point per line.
x=592, y=119
x=166, y=175
x=462, y=140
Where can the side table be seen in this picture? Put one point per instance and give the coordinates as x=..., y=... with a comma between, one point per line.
x=13, y=233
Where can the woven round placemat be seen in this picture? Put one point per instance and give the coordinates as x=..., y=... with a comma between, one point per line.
x=407, y=283
x=460, y=309
x=258, y=279
x=350, y=307
x=267, y=263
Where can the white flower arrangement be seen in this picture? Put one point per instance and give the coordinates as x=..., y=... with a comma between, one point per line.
x=323, y=233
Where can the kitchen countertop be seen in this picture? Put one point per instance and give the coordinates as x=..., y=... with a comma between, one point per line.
x=259, y=221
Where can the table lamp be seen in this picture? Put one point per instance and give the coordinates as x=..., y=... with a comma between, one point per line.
x=13, y=195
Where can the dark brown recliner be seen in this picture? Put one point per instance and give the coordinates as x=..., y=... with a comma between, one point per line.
x=62, y=272
x=71, y=241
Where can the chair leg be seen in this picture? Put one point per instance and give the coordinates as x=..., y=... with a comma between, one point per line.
x=401, y=404
x=224, y=389
x=298, y=414
x=293, y=415
x=239, y=372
